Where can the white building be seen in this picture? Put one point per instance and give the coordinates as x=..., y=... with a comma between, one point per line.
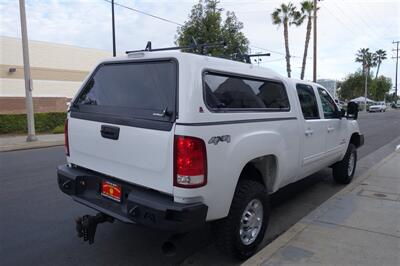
x=57, y=71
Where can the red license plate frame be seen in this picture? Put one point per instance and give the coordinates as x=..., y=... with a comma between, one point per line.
x=111, y=190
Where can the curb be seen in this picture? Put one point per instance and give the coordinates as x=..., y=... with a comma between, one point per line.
x=297, y=228
x=30, y=145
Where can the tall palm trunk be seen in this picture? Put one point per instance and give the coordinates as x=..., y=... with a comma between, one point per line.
x=286, y=36
x=308, y=35
x=377, y=70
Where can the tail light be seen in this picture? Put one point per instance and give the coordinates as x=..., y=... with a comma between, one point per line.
x=190, y=162
x=66, y=142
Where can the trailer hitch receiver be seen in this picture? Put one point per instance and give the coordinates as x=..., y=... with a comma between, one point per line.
x=86, y=225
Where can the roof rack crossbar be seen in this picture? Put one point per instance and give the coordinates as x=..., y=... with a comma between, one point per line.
x=200, y=47
x=247, y=57
x=203, y=49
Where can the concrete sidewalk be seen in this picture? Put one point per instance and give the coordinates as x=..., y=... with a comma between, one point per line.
x=19, y=142
x=358, y=226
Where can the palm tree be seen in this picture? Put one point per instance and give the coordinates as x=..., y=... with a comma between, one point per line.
x=286, y=15
x=307, y=8
x=380, y=55
x=366, y=58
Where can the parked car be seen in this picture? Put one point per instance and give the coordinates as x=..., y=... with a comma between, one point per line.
x=381, y=107
x=173, y=140
x=395, y=105
x=339, y=103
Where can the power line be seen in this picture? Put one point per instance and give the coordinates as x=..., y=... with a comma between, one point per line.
x=371, y=32
x=145, y=13
x=355, y=12
x=179, y=24
x=371, y=17
x=268, y=50
x=275, y=60
x=345, y=15
x=276, y=52
x=339, y=20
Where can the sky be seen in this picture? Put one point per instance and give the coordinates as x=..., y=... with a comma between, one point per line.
x=344, y=26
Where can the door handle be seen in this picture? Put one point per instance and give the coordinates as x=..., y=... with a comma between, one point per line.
x=330, y=129
x=309, y=132
x=109, y=132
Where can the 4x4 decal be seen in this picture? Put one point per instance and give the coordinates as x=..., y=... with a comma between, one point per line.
x=215, y=140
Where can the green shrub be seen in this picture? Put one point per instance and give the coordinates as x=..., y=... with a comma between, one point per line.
x=44, y=122
x=58, y=129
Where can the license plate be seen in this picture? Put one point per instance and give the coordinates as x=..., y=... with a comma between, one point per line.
x=111, y=190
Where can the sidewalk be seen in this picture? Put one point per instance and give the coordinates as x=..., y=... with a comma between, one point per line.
x=358, y=226
x=20, y=143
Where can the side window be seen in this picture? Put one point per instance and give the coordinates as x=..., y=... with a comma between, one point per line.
x=237, y=93
x=328, y=105
x=308, y=101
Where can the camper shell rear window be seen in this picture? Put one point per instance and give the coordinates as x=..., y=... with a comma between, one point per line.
x=133, y=89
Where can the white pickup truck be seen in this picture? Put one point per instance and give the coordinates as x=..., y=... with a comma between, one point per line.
x=173, y=140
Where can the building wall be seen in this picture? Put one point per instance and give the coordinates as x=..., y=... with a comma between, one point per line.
x=16, y=105
x=57, y=72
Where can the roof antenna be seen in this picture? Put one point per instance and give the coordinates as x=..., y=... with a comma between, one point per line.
x=148, y=46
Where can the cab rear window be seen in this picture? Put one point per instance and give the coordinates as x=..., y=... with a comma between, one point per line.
x=134, y=89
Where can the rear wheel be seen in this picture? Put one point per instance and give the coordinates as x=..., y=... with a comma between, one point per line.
x=240, y=233
x=343, y=171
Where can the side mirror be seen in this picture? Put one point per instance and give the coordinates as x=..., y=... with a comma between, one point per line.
x=352, y=110
x=342, y=113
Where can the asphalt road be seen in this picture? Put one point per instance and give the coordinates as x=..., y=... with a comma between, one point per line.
x=37, y=227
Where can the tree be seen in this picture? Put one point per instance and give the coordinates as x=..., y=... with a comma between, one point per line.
x=366, y=58
x=352, y=86
x=307, y=8
x=380, y=87
x=380, y=55
x=390, y=97
x=286, y=15
x=205, y=25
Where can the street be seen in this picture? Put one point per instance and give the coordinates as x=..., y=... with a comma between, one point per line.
x=37, y=220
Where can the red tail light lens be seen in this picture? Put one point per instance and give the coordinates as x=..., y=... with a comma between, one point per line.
x=190, y=162
x=66, y=143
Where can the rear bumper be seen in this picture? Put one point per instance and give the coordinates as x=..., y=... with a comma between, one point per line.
x=138, y=205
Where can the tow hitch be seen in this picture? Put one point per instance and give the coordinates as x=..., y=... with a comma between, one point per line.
x=86, y=225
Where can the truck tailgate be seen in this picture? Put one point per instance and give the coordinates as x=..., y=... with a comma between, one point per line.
x=139, y=156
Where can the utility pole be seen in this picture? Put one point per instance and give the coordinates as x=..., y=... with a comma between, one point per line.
x=397, y=67
x=315, y=43
x=27, y=75
x=366, y=86
x=113, y=27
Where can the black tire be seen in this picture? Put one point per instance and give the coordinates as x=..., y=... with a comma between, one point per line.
x=341, y=170
x=228, y=238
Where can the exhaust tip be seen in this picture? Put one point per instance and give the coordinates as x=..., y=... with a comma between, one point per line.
x=168, y=248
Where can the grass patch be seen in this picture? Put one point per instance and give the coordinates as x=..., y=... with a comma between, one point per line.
x=44, y=123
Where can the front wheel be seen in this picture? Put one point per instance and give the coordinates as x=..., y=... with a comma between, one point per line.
x=240, y=233
x=343, y=171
